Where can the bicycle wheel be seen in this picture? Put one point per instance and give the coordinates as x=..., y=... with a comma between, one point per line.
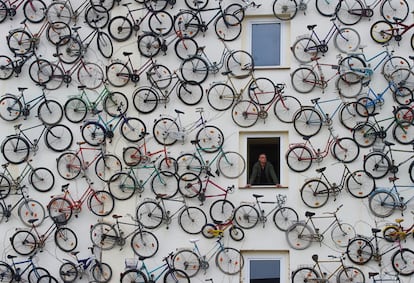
x=50, y=112
x=187, y=23
x=381, y=32
x=210, y=139
x=208, y=230
x=285, y=10
x=120, y=28
x=3, y=11
x=90, y=75
x=101, y=272
x=299, y=236
x=132, y=156
x=286, y=107
x=65, y=239
x=394, y=11
x=176, y=275
x=132, y=129
x=59, y=12
x=5, y=188
x=327, y=8
x=115, y=103
x=10, y=108
x=341, y=234
x=345, y=150
x=304, y=80
x=194, y=70
x=391, y=234
x=15, y=149
x=307, y=122
x=314, y=193
x=42, y=179
x=69, y=165
x=160, y=23
x=104, y=44
x=359, y=250
x=349, y=84
x=58, y=138
x=262, y=91
x=360, y=184
x=103, y=236
x=47, y=279
x=396, y=69
x=220, y=96
x=349, y=12
x=351, y=274
x=40, y=71
x=60, y=207
x=69, y=49
x=57, y=78
x=231, y=164
x=35, y=274
x=144, y=244
x=149, y=45
x=230, y=261
x=377, y=164
x=168, y=165
x=403, y=96
x=196, y=5
x=189, y=185
x=285, y=217
x=411, y=171
x=97, y=17
x=352, y=63
x=155, y=5
x=246, y=216
x=192, y=220
x=188, y=261
x=164, y=184
x=6, y=65
x=106, y=166
x=228, y=27
x=101, y=203
x=305, y=274
x=133, y=276
x=122, y=186
x=236, y=233
x=93, y=133
x=245, y=113
x=145, y=100
x=68, y=272
x=23, y=242
x=185, y=47
x=353, y=114
x=189, y=163
x=299, y=158
x=164, y=131
x=304, y=49
x=365, y=134
x=221, y=210
x=159, y=76
x=31, y=209
x=403, y=262
x=149, y=214
x=382, y=203
x=20, y=42
x=190, y=93
x=55, y=31
x=403, y=132
x=347, y=40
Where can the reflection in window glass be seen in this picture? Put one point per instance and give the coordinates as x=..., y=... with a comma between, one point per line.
x=266, y=41
x=264, y=271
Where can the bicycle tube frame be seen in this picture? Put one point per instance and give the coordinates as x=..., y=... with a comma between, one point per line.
x=204, y=189
x=331, y=225
x=322, y=273
x=150, y=273
x=320, y=109
x=19, y=271
x=32, y=145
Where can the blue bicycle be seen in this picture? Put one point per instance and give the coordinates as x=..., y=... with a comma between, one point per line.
x=15, y=273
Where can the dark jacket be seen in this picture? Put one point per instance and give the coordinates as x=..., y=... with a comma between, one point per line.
x=269, y=172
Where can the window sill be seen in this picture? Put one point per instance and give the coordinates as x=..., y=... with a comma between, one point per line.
x=264, y=187
x=272, y=67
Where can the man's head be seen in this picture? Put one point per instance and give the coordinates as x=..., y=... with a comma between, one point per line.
x=262, y=159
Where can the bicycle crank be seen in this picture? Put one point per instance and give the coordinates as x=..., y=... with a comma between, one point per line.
x=262, y=114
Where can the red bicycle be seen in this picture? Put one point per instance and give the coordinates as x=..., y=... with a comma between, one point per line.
x=383, y=31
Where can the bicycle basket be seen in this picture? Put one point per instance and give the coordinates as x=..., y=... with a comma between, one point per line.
x=60, y=219
x=131, y=263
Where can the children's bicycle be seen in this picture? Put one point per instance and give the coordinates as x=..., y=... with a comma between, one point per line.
x=217, y=229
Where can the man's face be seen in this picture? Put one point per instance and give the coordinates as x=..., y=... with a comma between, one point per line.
x=262, y=159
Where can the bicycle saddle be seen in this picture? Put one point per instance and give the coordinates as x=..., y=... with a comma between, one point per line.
x=306, y=138
x=81, y=87
x=309, y=214
x=80, y=142
x=315, y=100
x=178, y=111
x=392, y=179
x=316, y=58
x=194, y=141
x=218, y=221
x=320, y=170
x=388, y=143
x=74, y=253
x=11, y=256
x=76, y=28
x=226, y=73
x=372, y=274
x=31, y=221
x=201, y=48
x=399, y=220
x=257, y=196
x=311, y=27
x=375, y=230
x=21, y=88
x=411, y=57
x=194, y=240
x=116, y=216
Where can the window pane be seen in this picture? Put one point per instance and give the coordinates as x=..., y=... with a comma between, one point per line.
x=264, y=271
x=266, y=44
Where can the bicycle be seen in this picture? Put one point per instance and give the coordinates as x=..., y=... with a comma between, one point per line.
x=248, y=214
x=315, y=192
x=71, y=164
x=301, y=234
x=100, y=202
x=136, y=273
x=168, y=130
x=77, y=107
x=120, y=73
x=26, y=242
x=12, y=107
x=384, y=200
x=317, y=274
x=17, y=147
x=350, y=12
x=70, y=270
x=33, y=10
x=387, y=277
x=396, y=232
x=15, y=272
x=229, y=260
x=238, y=10
x=287, y=9
x=383, y=31
x=308, y=46
x=216, y=229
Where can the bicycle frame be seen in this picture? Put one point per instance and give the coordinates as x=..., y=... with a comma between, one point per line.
x=33, y=144
x=15, y=181
x=203, y=196
x=18, y=272
x=9, y=208
x=204, y=24
x=317, y=235
x=390, y=278
x=400, y=202
x=76, y=205
x=150, y=273
x=322, y=42
x=66, y=77
x=378, y=98
x=321, y=81
x=326, y=277
x=218, y=246
x=139, y=182
x=168, y=214
x=317, y=153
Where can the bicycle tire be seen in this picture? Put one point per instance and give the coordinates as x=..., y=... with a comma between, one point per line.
x=365, y=134
x=314, y=193
x=69, y=49
x=189, y=185
x=394, y=11
x=40, y=71
x=2, y=209
x=149, y=214
x=162, y=130
x=194, y=70
x=10, y=108
x=93, y=133
x=120, y=28
x=118, y=74
x=228, y=27
x=285, y=217
x=59, y=207
x=132, y=156
x=23, y=242
x=160, y=23
x=403, y=132
x=101, y=203
x=190, y=163
x=65, y=239
x=402, y=262
x=115, y=103
x=360, y=184
x=208, y=230
x=69, y=165
x=196, y=5
x=58, y=138
x=359, y=250
x=155, y=5
x=349, y=84
x=308, y=122
x=132, y=129
x=345, y=150
x=382, y=203
x=164, y=184
x=305, y=274
x=15, y=149
x=190, y=93
x=351, y=274
x=47, y=279
x=57, y=78
x=342, y=233
x=122, y=186
x=230, y=261
x=20, y=42
x=236, y=10
x=192, y=219
x=59, y=12
x=68, y=272
x=56, y=30
x=403, y=96
x=107, y=165
x=104, y=236
x=187, y=23
x=390, y=234
x=149, y=45
x=35, y=274
x=352, y=63
x=231, y=164
x=168, y=165
x=377, y=164
x=350, y=12
x=411, y=171
x=144, y=244
x=105, y=46
x=50, y=112
x=353, y=114
x=262, y=91
x=3, y=11
x=185, y=47
x=5, y=188
x=97, y=17
x=327, y=8
x=286, y=107
x=31, y=209
x=145, y=100
x=285, y=10
x=42, y=179
x=209, y=139
x=133, y=276
x=304, y=49
x=6, y=66
x=304, y=79
x=236, y=233
x=159, y=76
x=381, y=32
x=246, y=216
x=90, y=75
x=188, y=261
x=347, y=40
x=396, y=69
x=220, y=96
x=299, y=236
x=299, y=158
x=101, y=272
x=221, y=210
x=245, y=113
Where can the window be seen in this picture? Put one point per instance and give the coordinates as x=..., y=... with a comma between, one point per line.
x=265, y=267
